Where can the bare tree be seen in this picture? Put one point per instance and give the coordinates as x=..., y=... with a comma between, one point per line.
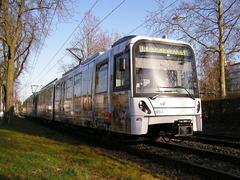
x=21, y=24
x=209, y=73
x=89, y=39
x=212, y=25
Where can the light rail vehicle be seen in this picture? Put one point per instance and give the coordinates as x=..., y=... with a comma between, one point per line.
x=140, y=86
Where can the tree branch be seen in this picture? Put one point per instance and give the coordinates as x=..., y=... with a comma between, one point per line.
x=230, y=6
x=195, y=39
x=204, y=17
x=36, y=9
x=235, y=50
x=229, y=32
x=3, y=39
x=26, y=52
x=19, y=70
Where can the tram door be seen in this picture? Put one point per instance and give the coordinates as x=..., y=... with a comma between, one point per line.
x=102, y=120
x=121, y=92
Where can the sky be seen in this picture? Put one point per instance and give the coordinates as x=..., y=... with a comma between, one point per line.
x=44, y=68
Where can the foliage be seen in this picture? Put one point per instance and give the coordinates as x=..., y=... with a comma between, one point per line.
x=22, y=23
x=212, y=26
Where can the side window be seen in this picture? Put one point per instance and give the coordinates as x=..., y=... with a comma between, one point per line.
x=85, y=81
x=69, y=88
x=58, y=92
x=77, y=84
x=101, y=77
x=121, y=69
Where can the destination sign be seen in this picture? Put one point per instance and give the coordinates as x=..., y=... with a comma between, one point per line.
x=163, y=50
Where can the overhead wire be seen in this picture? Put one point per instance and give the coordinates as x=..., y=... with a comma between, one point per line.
x=140, y=25
x=72, y=33
x=36, y=57
x=103, y=19
x=41, y=45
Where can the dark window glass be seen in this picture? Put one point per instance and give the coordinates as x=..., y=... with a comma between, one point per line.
x=122, y=75
x=69, y=88
x=77, y=84
x=101, y=77
x=58, y=92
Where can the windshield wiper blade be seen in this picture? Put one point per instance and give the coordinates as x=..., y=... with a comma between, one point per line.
x=189, y=94
x=157, y=95
x=154, y=97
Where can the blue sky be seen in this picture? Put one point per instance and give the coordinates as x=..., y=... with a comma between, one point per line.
x=130, y=15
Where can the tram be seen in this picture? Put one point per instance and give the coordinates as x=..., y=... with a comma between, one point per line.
x=140, y=86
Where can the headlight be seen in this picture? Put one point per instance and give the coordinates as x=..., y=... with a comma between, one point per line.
x=198, y=106
x=143, y=106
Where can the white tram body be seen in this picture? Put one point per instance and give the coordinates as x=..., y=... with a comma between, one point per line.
x=140, y=85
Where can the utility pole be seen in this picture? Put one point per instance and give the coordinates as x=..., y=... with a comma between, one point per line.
x=35, y=88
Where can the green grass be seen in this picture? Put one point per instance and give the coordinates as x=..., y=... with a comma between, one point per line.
x=31, y=151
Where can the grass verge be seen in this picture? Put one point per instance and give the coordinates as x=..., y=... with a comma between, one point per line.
x=31, y=151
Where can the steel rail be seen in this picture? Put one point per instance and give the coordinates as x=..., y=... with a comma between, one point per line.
x=217, y=136
x=199, y=152
x=188, y=167
x=212, y=139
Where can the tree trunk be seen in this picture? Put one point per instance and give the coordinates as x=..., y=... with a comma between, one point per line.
x=221, y=50
x=9, y=111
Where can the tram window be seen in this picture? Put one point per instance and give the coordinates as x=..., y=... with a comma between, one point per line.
x=121, y=77
x=77, y=84
x=85, y=81
x=101, y=77
x=58, y=92
x=69, y=88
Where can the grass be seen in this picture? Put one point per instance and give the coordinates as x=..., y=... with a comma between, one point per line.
x=31, y=151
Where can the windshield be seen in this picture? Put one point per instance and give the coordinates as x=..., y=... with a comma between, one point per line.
x=164, y=70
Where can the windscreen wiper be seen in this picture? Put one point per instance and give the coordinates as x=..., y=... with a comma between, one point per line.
x=155, y=96
x=181, y=87
x=189, y=94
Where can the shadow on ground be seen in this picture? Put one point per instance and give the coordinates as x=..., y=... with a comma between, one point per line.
x=37, y=127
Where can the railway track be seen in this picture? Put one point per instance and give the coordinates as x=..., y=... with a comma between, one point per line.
x=169, y=156
x=193, y=167
x=217, y=140
x=199, y=152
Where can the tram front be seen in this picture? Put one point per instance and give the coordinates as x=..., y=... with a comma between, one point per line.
x=165, y=89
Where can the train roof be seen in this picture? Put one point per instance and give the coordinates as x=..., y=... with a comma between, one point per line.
x=133, y=39
x=121, y=42
x=84, y=62
x=49, y=84
x=166, y=40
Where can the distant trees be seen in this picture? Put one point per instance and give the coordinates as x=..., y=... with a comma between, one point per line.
x=209, y=73
x=213, y=26
x=22, y=23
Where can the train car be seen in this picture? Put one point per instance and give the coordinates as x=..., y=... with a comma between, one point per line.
x=141, y=85
x=29, y=107
x=45, y=103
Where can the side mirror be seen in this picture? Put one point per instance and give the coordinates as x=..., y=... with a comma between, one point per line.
x=122, y=64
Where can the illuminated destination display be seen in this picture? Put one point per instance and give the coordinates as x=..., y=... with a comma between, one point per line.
x=163, y=50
